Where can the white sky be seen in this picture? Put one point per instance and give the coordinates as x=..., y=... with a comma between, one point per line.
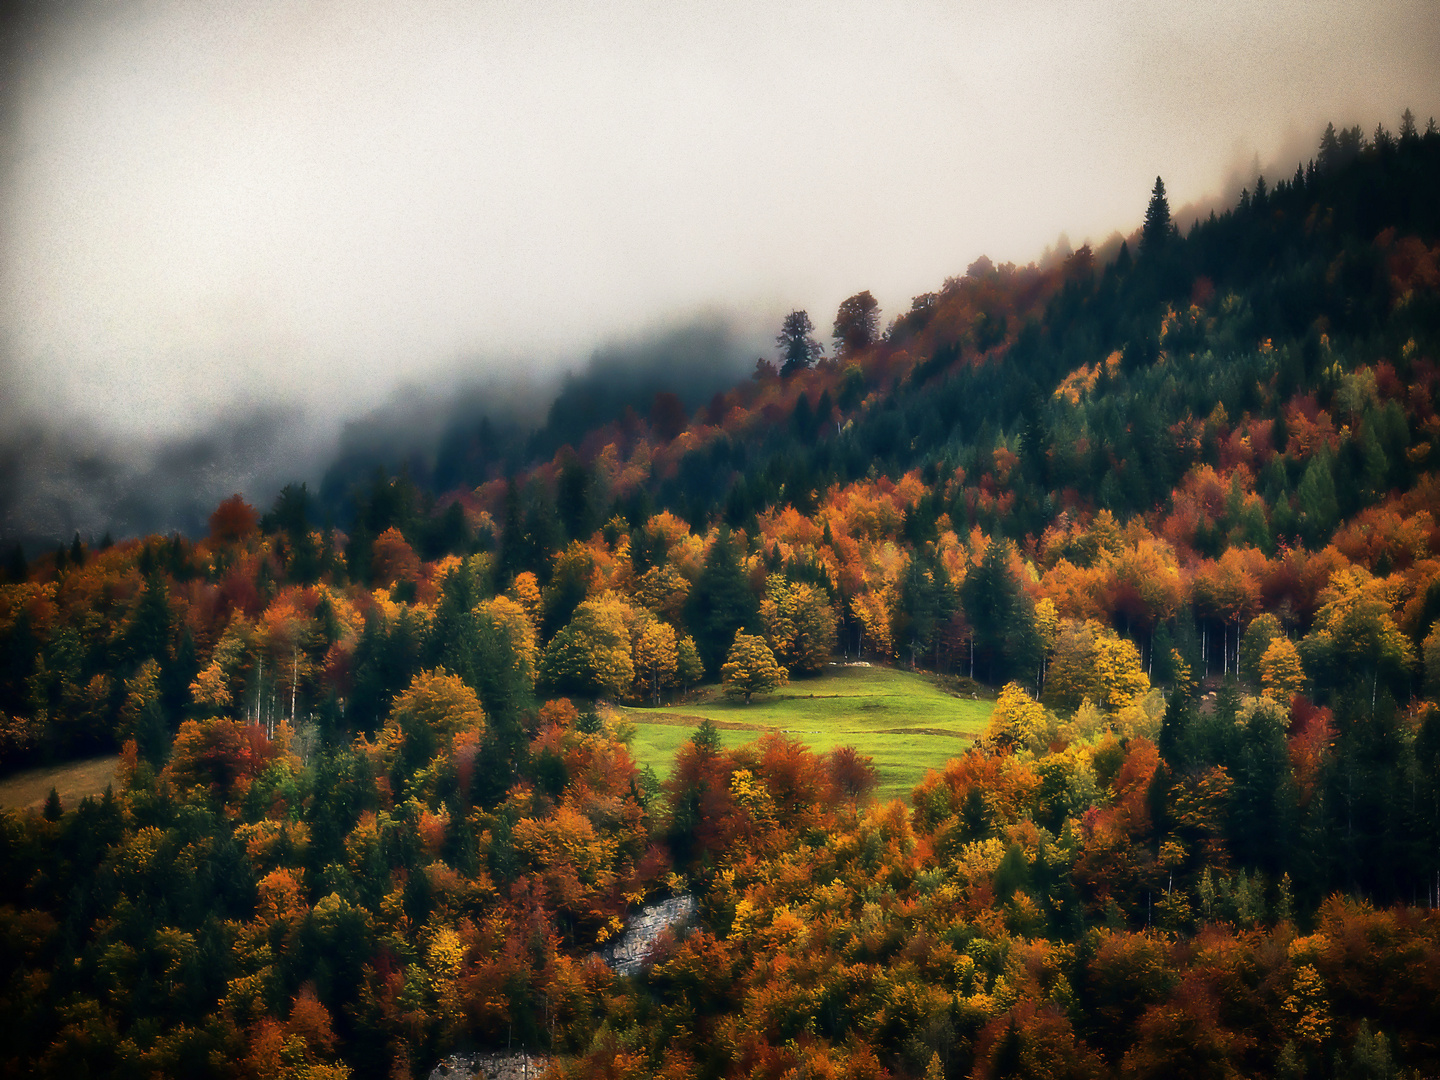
x=210, y=205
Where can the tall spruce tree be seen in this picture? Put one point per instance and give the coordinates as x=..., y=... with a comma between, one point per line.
x=720, y=604
x=798, y=348
x=1157, y=229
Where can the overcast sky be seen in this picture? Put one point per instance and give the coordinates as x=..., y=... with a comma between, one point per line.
x=210, y=205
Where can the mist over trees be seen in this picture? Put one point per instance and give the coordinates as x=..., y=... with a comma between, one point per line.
x=1173, y=512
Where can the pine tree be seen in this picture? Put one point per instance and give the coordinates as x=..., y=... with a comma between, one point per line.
x=798, y=348
x=1407, y=127
x=720, y=604
x=17, y=569
x=1002, y=616
x=1329, y=148
x=1158, y=228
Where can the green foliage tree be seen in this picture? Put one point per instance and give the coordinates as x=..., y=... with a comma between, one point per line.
x=1316, y=501
x=1001, y=617
x=689, y=668
x=720, y=603
x=1355, y=635
x=1263, y=629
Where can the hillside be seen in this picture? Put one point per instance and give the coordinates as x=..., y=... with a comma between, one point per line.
x=380, y=790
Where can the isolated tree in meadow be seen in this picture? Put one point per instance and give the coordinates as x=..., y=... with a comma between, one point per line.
x=798, y=348
x=856, y=323
x=750, y=668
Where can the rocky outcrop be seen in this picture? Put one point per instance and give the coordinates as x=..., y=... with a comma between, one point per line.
x=627, y=954
x=517, y=1065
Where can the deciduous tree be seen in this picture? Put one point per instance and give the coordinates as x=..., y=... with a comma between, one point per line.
x=750, y=668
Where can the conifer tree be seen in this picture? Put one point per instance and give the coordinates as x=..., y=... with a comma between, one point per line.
x=1158, y=228
x=720, y=603
x=798, y=348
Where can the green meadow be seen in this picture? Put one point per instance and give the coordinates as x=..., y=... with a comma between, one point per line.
x=902, y=720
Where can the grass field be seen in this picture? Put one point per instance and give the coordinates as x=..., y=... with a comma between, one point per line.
x=73, y=780
x=902, y=720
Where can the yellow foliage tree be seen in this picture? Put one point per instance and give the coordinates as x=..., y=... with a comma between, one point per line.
x=657, y=657
x=1355, y=632
x=508, y=616
x=1123, y=681
x=1017, y=721
x=591, y=655
x=1091, y=661
x=1281, y=673
x=525, y=591
x=140, y=716
x=750, y=668
x=433, y=710
x=662, y=590
x=873, y=612
x=215, y=687
x=799, y=624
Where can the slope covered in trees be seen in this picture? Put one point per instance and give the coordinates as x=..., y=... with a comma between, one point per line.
x=1177, y=508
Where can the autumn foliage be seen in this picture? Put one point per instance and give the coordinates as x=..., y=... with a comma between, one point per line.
x=1173, y=505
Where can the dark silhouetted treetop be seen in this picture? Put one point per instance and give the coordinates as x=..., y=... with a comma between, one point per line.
x=855, y=323
x=1158, y=228
x=798, y=348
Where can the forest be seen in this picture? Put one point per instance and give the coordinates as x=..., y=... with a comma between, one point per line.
x=1172, y=504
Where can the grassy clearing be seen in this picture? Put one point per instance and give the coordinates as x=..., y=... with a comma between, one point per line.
x=74, y=780
x=902, y=720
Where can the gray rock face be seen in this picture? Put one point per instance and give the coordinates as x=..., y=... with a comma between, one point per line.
x=627, y=954
x=518, y=1065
